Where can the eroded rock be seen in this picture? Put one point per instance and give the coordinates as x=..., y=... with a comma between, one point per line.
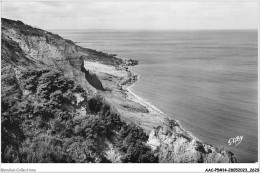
x=174, y=145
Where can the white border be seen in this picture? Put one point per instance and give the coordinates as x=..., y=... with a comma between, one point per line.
x=111, y=167
x=126, y=167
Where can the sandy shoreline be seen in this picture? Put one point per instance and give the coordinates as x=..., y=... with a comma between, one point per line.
x=151, y=108
x=142, y=101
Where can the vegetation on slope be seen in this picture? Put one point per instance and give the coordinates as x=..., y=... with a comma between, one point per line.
x=42, y=124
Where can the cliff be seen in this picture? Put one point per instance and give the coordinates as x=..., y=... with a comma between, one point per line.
x=73, y=104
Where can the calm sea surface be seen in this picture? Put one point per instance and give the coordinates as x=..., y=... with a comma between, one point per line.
x=205, y=79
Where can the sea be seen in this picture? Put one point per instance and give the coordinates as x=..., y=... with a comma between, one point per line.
x=206, y=79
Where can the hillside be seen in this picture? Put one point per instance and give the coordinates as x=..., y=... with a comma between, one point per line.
x=65, y=103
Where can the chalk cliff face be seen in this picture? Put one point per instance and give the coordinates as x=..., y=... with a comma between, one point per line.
x=68, y=113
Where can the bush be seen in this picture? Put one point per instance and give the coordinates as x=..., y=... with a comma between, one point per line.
x=31, y=78
x=133, y=145
x=140, y=153
x=11, y=131
x=41, y=152
x=95, y=104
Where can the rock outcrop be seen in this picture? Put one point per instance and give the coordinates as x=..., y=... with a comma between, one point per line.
x=174, y=145
x=92, y=78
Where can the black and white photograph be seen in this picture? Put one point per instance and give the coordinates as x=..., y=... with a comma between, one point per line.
x=104, y=83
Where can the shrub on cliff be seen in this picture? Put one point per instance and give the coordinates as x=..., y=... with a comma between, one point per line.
x=133, y=145
x=31, y=78
x=11, y=132
x=138, y=152
x=42, y=152
x=95, y=104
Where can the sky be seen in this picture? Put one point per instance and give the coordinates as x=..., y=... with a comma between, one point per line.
x=165, y=15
